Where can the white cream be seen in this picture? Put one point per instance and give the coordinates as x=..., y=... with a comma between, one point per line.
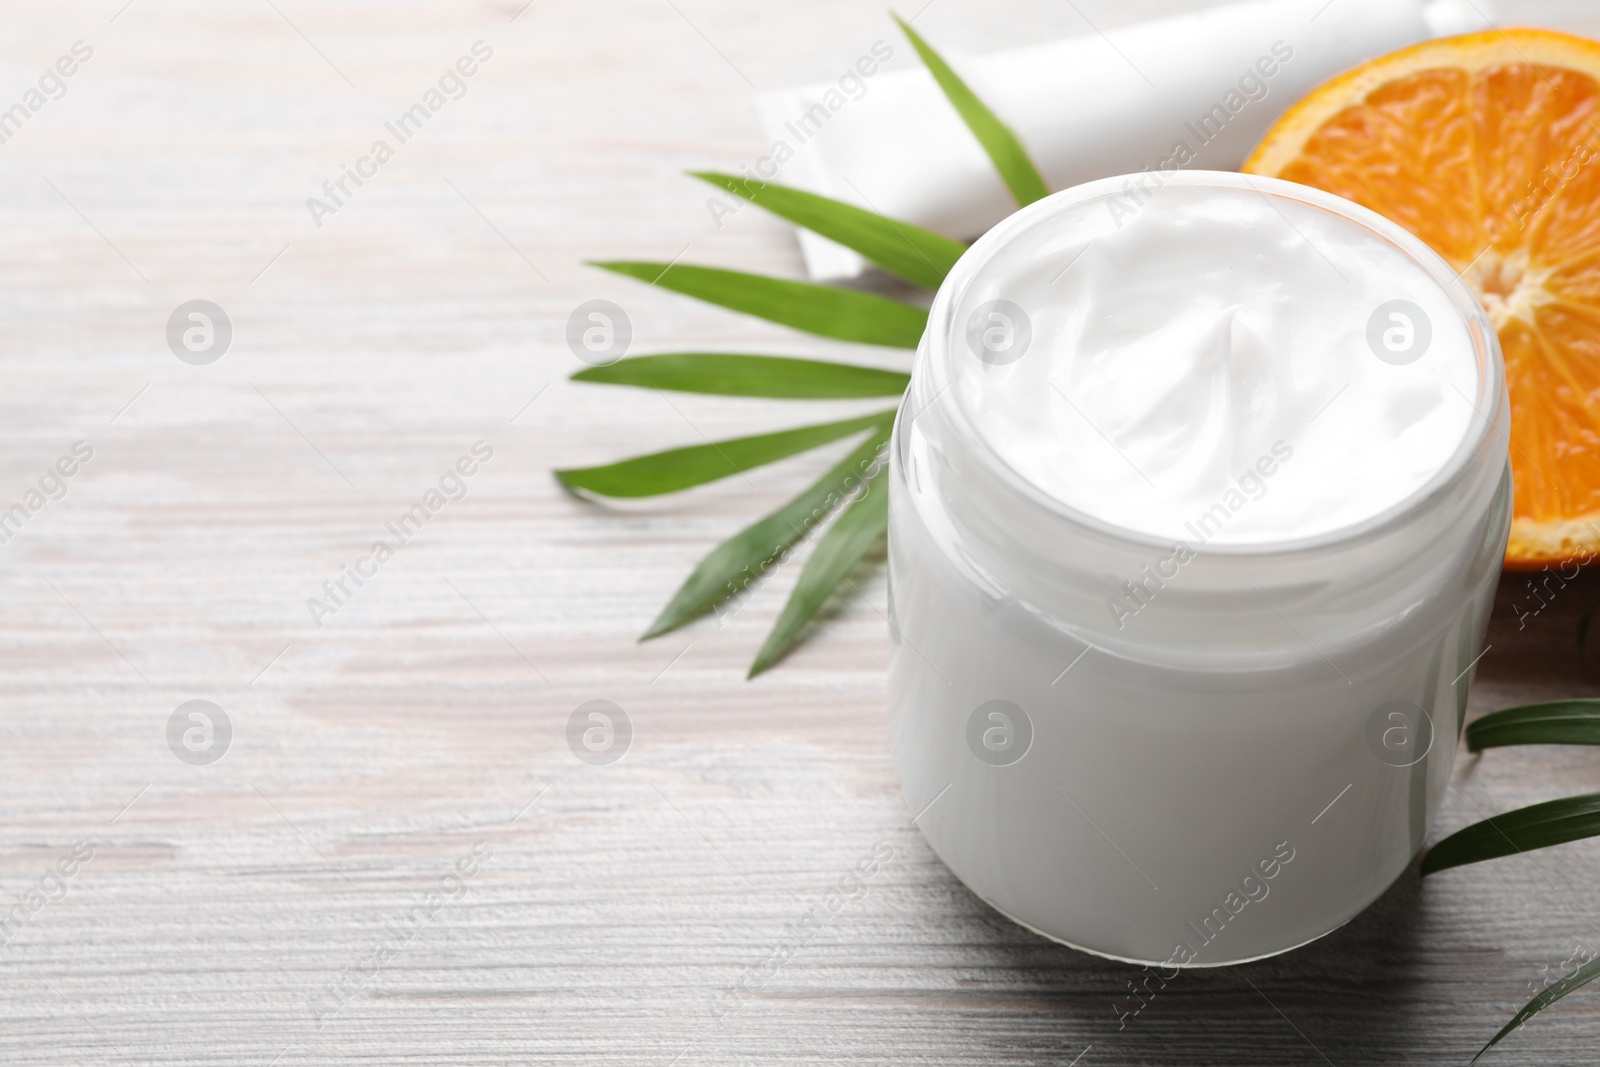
x=1186, y=345
x=1169, y=748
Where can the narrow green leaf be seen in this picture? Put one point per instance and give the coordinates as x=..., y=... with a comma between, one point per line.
x=1016, y=169
x=1554, y=822
x=1556, y=990
x=727, y=374
x=859, y=528
x=680, y=468
x=747, y=556
x=1556, y=722
x=843, y=314
x=904, y=249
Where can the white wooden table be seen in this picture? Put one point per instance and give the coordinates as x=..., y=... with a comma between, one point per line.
x=399, y=859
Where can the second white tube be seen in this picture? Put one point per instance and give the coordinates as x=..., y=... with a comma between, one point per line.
x=1195, y=92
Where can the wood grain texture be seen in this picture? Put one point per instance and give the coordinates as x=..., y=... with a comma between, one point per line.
x=618, y=915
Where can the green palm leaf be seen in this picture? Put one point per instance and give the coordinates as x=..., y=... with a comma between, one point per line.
x=1555, y=722
x=749, y=554
x=904, y=249
x=860, y=527
x=1557, y=989
x=843, y=314
x=727, y=374
x=1554, y=822
x=910, y=252
x=680, y=468
x=1016, y=169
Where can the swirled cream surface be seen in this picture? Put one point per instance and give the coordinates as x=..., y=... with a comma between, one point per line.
x=1214, y=365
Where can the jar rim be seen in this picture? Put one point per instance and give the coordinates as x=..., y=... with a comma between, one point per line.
x=1490, y=404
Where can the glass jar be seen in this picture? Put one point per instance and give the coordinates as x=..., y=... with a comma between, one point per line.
x=1253, y=763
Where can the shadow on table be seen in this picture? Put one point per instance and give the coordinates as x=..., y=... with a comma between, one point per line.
x=1369, y=993
x=1354, y=997
x=1533, y=638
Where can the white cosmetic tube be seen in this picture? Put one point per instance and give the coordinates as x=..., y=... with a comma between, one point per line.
x=1196, y=91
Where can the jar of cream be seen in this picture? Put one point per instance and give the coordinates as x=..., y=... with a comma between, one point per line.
x=1199, y=496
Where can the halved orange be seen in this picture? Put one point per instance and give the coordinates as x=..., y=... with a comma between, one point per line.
x=1487, y=147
